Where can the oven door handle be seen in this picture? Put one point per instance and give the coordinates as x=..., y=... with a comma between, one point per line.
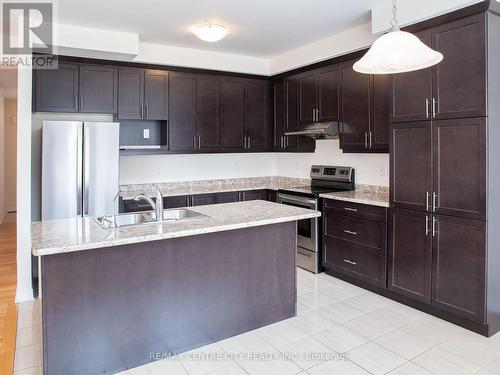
x=288, y=198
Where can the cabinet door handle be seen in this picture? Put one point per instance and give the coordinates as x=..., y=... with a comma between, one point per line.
x=434, y=102
x=350, y=209
x=350, y=262
x=427, y=107
x=427, y=226
x=427, y=201
x=146, y=109
x=370, y=136
x=286, y=141
x=317, y=114
x=282, y=142
x=434, y=226
x=366, y=139
x=142, y=111
x=194, y=142
x=350, y=232
x=199, y=142
x=313, y=115
x=249, y=142
x=434, y=202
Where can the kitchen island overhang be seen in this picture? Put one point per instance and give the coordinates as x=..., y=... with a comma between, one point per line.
x=109, y=308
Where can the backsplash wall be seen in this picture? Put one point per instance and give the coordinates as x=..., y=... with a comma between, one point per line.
x=372, y=169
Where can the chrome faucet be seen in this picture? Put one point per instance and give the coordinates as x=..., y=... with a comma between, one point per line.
x=157, y=207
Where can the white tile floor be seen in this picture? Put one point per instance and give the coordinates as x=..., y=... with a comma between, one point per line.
x=340, y=329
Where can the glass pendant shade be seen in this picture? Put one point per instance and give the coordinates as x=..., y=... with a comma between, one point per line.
x=397, y=52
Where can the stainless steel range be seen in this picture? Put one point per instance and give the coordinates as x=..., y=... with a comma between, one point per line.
x=324, y=179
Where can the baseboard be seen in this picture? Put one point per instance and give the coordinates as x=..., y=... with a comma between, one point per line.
x=24, y=295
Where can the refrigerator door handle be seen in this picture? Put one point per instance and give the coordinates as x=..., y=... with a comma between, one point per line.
x=79, y=172
x=86, y=170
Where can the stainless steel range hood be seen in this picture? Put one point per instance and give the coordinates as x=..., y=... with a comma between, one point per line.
x=319, y=130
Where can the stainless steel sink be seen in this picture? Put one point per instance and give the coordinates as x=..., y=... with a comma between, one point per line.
x=180, y=214
x=142, y=218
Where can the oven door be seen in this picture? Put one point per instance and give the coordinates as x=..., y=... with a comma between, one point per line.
x=307, y=230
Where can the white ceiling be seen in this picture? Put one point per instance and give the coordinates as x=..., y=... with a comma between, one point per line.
x=261, y=28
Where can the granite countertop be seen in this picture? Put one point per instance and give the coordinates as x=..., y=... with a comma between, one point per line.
x=69, y=235
x=212, y=186
x=364, y=194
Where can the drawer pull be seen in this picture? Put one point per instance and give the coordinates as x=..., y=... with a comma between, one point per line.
x=350, y=232
x=350, y=262
x=350, y=209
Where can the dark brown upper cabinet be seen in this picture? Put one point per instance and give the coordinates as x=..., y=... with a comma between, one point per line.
x=355, y=89
x=143, y=94
x=233, y=113
x=286, y=118
x=410, y=254
x=459, y=148
x=454, y=88
x=56, y=90
x=318, y=95
x=459, y=81
x=182, y=112
x=258, y=127
x=411, y=93
x=98, y=87
x=440, y=167
x=411, y=166
x=364, y=110
x=208, y=113
x=459, y=267
x=156, y=94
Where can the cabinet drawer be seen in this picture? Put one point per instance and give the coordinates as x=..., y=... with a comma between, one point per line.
x=362, y=211
x=356, y=261
x=363, y=232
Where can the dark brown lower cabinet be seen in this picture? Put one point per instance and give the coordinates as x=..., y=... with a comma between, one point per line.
x=459, y=267
x=227, y=197
x=202, y=199
x=410, y=254
x=252, y=195
x=176, y=201
x=439, y=260
x=354, y=241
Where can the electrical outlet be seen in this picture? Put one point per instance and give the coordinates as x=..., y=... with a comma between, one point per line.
x=145, y=133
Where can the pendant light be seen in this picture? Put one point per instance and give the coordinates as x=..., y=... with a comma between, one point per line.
x=397, y=52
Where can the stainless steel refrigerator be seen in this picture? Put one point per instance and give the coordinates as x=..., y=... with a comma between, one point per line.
x=80, y=169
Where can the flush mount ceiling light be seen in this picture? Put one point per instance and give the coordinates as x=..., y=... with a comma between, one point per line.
x=210, y=32
x=397, y=52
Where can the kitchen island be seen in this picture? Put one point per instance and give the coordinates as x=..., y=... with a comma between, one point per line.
x=113, y=299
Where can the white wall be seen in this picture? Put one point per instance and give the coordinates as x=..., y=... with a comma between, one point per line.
x=371, y=169
x=10, y=144
x=24, y=290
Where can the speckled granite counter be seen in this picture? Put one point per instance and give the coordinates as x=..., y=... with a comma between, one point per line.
x=213, y=186
x=63, y=236
x=364, y=194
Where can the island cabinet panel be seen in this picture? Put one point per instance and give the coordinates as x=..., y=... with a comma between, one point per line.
x=459, y=267
x=355, y=241
x=107, y=310
x=156, y=94
x=410, y=254
x=56, y=90
x=208, y=113
x=233, y=114
x=411, y=166
x=98, y=86
x=182, y=108
x=258, y=127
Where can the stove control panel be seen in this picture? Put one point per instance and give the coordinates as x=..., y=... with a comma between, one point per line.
x=325, y=172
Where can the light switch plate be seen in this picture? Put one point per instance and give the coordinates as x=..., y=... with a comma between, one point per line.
x=145, y=133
